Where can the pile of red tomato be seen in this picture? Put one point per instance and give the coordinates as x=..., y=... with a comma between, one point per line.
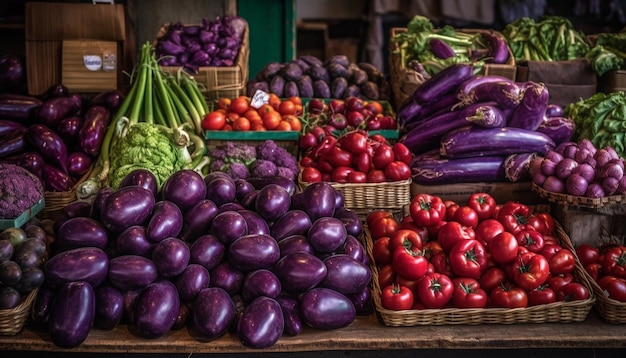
x=607, y=266
x=478, y=254
x=355, y=157
x=349, y=114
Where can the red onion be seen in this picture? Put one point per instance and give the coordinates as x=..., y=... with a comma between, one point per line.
x=587, y=144
x=561, y=146
x=554, y=184
x=609, y=185
x=612, y=152
x=586, y=171
x=621, y=188
x=602, y=156
x=613, y=168
x=554, y=110
x=554, y=156
x=548, y=167
x=576, y=185
x=535, y=166
x=594, y=190
x=583, y=155
x=565, y=167
x=539, y=178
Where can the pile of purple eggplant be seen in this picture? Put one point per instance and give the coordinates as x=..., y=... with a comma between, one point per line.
x=471, y=128
x=56, y=136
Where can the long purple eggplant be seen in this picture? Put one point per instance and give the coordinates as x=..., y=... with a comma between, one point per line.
x=49, y=144
x=18, y=107
x=441, y=49
x=517, y=166
x=560, y=129
x=462, y=170
x=507, y=93
x=497, y=45
x=52, y=111
x=55, y=179
x=470, y=141
x=13, y=143
x=9, y=127
x=93, y=129
x=443, y=82
x=532, y=107
x=465, y=89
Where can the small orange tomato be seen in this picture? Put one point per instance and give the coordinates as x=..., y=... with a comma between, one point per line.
x=239, y=105
x=286, y=107
x=241, y=124
x=231, y=117
x=296, y=124
x=283, y=126
x=257, y=127
x=271, y=120
x=213, y=121
x=223, y=103
x=274, y=100
x=295, y=100
x=252, y=114
x=266, y=108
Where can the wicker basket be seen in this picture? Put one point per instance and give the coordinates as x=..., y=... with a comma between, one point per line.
x=56, y=201
x=564, y=312
x=611, y=204
x=394, y=197
x=12, y=321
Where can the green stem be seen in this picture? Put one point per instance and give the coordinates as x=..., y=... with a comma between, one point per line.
x=194, y=116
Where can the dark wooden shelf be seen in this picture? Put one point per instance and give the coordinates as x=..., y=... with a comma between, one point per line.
x=366, y=333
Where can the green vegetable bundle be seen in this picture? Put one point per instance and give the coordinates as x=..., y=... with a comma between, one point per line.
x=608, y=52
x=601, y=118
x=157, y=127
x=553, y=38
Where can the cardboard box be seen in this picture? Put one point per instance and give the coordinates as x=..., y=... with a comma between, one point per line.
x=567, y=81
x=47, y=25
x=501, y=191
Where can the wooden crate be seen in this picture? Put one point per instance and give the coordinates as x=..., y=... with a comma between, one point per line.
x=75, y=73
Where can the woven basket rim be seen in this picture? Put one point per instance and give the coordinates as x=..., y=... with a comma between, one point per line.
x=591, y=203
x=12, y=320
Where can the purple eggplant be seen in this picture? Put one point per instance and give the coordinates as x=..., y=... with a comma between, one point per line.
x=291, y=314
x=362, y=301
x=353, y=248
x=49, y=144
x=89, y=264
x=55, y=179
x=127, y=207
x=171, y=257
x=465, y=89
x=345, y=274
x=261, y=182
x=141, y=177
x=213, y=313
x=506, y=93
x=81, y=232
x=165, y=221
x=409, y=110
x=517, y=166
x=73, y=314
x=261, y=324
x=97, y=204
x=54, y=91
x=532, y=107
x=134, y=241
x=128, y=272
x=207, y=251
x=191, y=281
x=156, y=309
x=220, y=189
x=463, y=170
x=443, y=82
x=109, y=307
x=40, y=311
x=290, y=223
x=327, y=234
x=351, y=220
x=253, y=252
x=499, y=49
x=53, y=110
x=227, y=277
x=323, y=308
x=197, y=220
x=184, y=188
x=13, y=143
x=228, y=226
x=111, y=100
x=255, y=222
x=12, y=73
x=559, y=129
x=78, y=164
x=441, y=49
x=318, y=200
x=300, y=271
x=68, y=129
x=20, y=108
x=476, y=141
x=262, y=282
x=8, y=127
x=295, y=243
x=92, y=131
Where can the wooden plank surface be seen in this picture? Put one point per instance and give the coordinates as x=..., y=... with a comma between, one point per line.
x=365, y=333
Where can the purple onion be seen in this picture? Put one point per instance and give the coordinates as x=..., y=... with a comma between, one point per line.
x=548, y=167
x=535, y=166
x=621, y=188
x=539, y=178
x=610, y=185
x=576, y=185
x=586, y=171
x=602, y=156
x=587, y=144
x=565, y=167
x=554, y=184
x=594, y=190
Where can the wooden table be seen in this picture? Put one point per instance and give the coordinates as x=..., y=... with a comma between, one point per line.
x=366, y=333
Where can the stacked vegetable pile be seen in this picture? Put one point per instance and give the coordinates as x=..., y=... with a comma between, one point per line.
x=157, y=127
x=211, y=253
x=212, y=43
x=476, y=254
x=554, y=38
x=428, y=50
x=580, y=169
x=467, y=128
x=23, y=252
x=308, y=77
x=601, y=119
x=58, y=136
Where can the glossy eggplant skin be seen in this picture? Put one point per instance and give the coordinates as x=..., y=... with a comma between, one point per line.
x=18, y=107
x=89, y=264
x=323, y=308
x=156, y=309
x=261, y=324
x=126, y=207
x=72, y=314
x=213, y=313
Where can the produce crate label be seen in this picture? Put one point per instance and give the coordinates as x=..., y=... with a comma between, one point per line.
x=259, y=99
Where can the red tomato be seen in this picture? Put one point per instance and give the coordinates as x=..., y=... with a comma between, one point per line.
x=362, y=162
x=430, y=248
x=409, y=263
x=386, y=275
x=311, y=175
x=451, y=208
x=338, y=157
x=614, y=287
x=402, y=153
x=307, y=141
x=397, y=171
x=530, y=239
x=492, y=278
x=468, y=294
x=381, y=251
x=541, y=295
x=376, y=176
x=594, y=270
x=531, y=270
x=468, y=258
x=340, y=174
x=573, y=291
x=382, y=226
x=440, y=262
x=483, y=203
x=408, y=239
x=513, y=216
x=549, y=250
x=357, y=177
x=214, y=121
x=557, y=281
x=509, y=296
x=411, y=284
x=427, y=210
x=503, y=248
x=383, y=155
x=487, y=230
x=614, y=262
x=373, y=215
x=466, y=216
x=396, y=297
x=435, y=290
x=563, y=261
x=451, y=233
x=542, y=222
x=587, y=254
x=354, y=142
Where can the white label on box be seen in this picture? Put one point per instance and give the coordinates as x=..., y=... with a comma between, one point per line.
x=92, y=62
x=260, y=98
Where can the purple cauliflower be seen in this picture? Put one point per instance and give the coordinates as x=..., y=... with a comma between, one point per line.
x=19, y=190
x=263, y=168
x=280, y=156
